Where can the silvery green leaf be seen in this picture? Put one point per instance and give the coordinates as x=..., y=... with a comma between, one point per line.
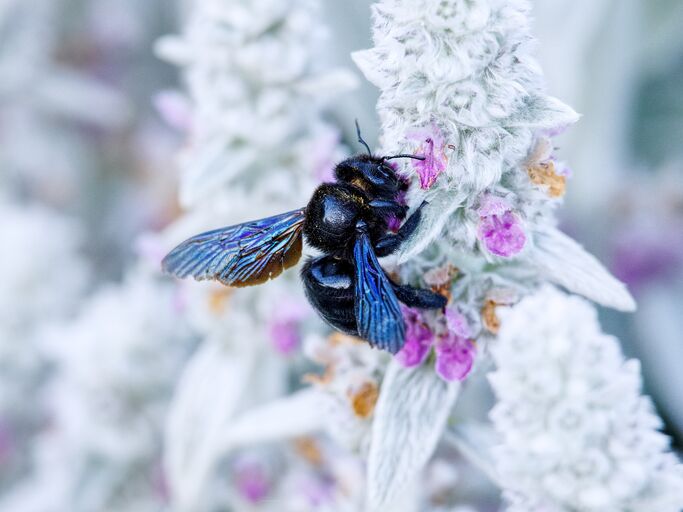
x=366, y=60
x=540, y=111
x=208, y=394
x=563, y=261
x=435, y=215
x=287, y=417
x=213, y=169
x=411, y=413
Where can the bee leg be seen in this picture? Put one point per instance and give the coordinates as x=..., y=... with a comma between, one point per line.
x=386, y=207
x=418, y=297
x=389, y=243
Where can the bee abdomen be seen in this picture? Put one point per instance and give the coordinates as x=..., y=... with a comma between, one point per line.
x=329, y=286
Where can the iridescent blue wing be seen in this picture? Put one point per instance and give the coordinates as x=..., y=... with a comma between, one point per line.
x=241, y=255
x=378, y=314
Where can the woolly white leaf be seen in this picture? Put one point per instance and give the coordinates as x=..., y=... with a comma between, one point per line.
x=412, y=410
x=366, y=60
x=568, y=400
x=565, y=262
x=540, y=111
x=208, y=395
x=172, y=49
x=292, y=416
x=212, y=169
x=435, y=215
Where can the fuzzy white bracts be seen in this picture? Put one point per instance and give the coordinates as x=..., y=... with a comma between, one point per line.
x=576, y=433
x=120, y=360
x=460, y=87
x=258, y=146
x=463, y=71
x=255, y=93
x=36, y=241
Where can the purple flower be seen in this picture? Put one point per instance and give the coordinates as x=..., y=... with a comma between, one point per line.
x=251, y=481
x=499, y=228
x=174, y=109
x=432, y=147
x=284, y=327
x=647, y=252
x=393, y=223
x=454, y=349
x=454, y=356
x=419, y=339
x=457, y=323
x=318, y=490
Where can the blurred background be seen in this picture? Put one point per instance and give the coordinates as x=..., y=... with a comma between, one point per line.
x=92, y=123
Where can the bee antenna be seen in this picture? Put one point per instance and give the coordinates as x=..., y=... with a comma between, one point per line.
x=360, y=138
x=414, y=157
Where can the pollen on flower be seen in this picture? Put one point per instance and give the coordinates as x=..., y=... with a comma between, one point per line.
x=309, y=449
x=433, y=148
x=489, y=319
x=338, y=338
x=545, y=174
x=439, y=279
x=364, y=398
x=320, y=380
x=218, y=299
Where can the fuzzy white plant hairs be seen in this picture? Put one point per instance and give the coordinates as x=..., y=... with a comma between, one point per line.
x=459, y=84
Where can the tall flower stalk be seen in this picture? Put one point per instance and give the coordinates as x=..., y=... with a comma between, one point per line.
x=258, y=145
x=119, y=361
x=27, y=284
x=575, y=431
x=459, y=85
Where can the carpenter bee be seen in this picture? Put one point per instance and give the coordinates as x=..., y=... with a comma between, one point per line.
x=348, y=222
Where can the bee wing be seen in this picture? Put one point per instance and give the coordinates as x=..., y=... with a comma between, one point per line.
x=241, y=255
x=378, y=313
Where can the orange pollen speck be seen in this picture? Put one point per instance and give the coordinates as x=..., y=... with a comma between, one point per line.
x=319, y=380
x=440, y=279
x=489, y=318
x=309, y=449
x=339, y=338
x=544, y=173
x=364, y=399
x=218, y=299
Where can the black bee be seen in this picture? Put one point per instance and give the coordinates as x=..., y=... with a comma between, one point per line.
x=348, y=222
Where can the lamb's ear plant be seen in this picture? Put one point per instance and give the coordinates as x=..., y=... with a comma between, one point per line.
x=257, y=145
x=459, y=85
